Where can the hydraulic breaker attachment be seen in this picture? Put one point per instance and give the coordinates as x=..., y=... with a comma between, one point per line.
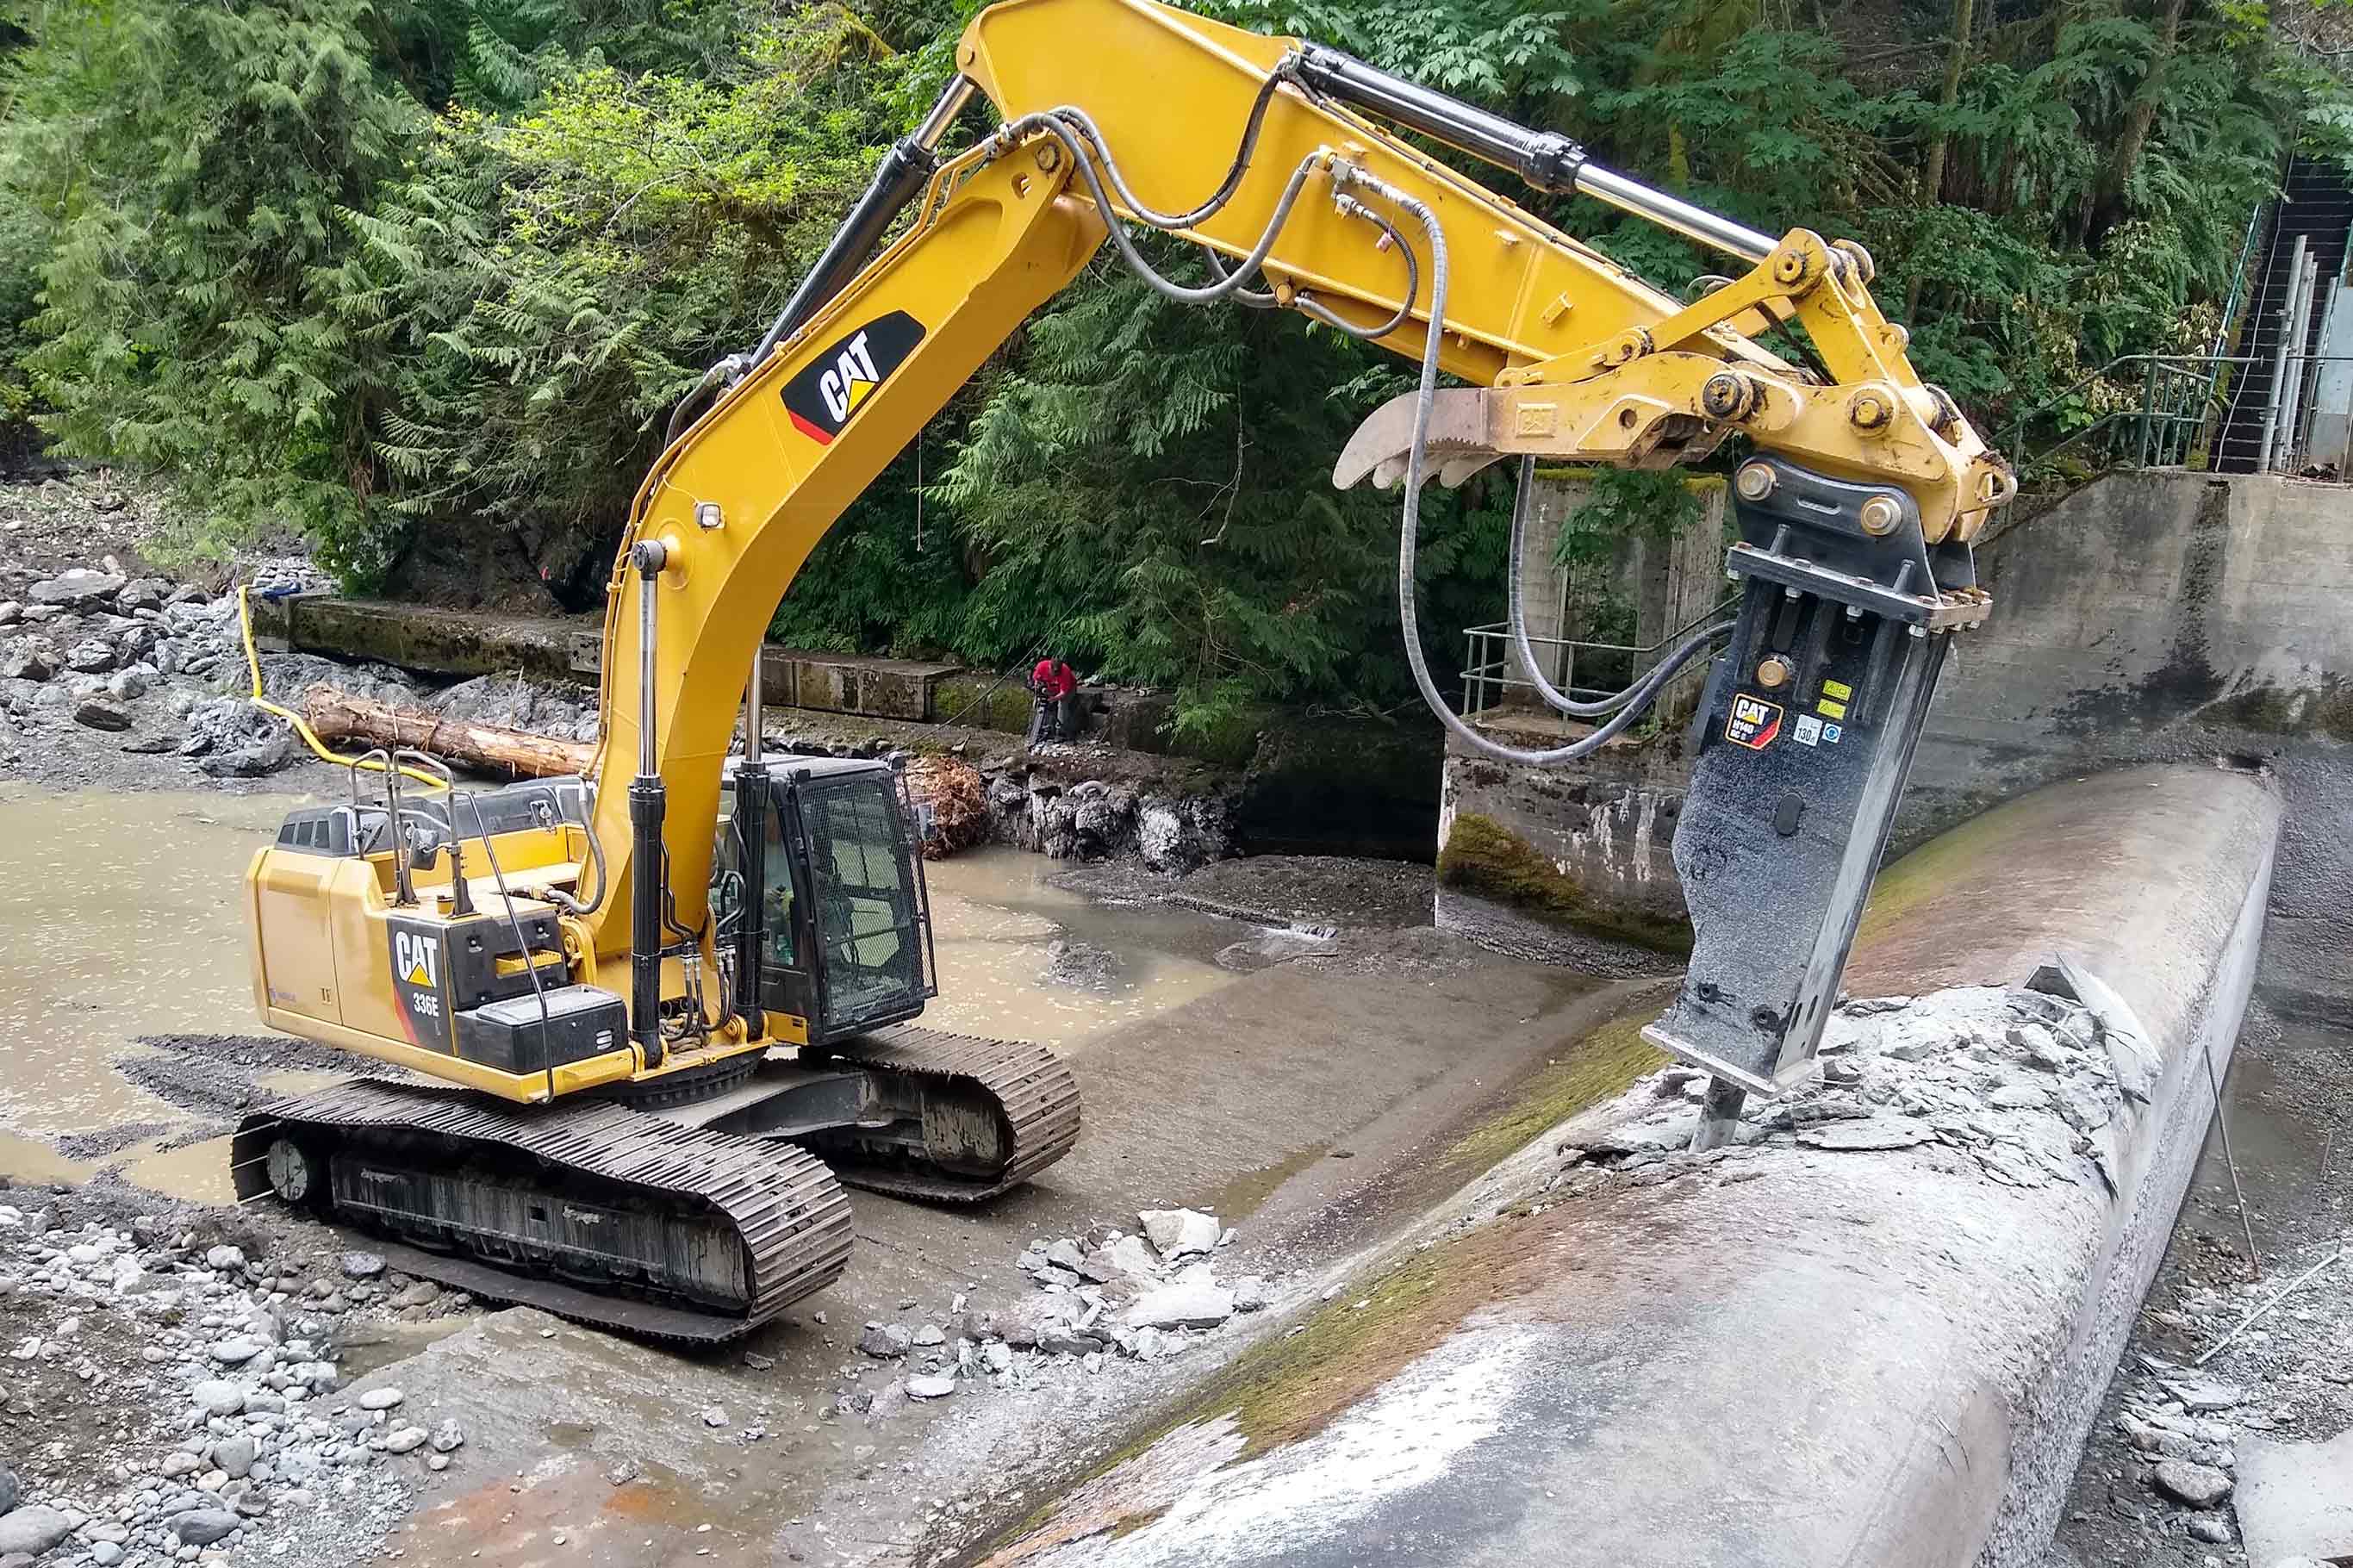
x=1803, y=745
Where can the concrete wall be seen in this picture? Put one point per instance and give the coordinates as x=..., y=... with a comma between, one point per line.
x=2162, y=615
x=1571, y=866
x=1660, y=582
x=2166, y=616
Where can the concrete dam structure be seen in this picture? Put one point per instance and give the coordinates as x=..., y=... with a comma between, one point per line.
x=1875, y=1331
x=2156, y=616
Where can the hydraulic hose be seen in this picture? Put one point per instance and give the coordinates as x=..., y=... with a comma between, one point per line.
x=260, y=699
x=1086, y=127
x=1052, y=122
x=1308, y=305
x=1558, y=701
x=1639, y=696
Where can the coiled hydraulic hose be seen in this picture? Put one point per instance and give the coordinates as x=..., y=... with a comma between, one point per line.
x=1637, y=697
x=1558, y=701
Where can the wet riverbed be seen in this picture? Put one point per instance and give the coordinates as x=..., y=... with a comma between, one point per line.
x=119, y=917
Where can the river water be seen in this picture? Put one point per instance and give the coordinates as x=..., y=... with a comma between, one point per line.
x=119, y=916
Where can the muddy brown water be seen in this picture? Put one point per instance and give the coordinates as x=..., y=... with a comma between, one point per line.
x=119, y=917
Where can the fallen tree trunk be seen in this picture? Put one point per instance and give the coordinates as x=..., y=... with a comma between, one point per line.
x=952, y=791
x=487, y=748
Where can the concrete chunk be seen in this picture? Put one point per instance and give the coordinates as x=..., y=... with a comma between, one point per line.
x=2296, y=1498
x=1181, y=1233
x=1186, y=1306
x=1871, y=1132
x=2199, y=1395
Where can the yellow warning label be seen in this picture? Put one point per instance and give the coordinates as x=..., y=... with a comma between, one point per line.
x=1838, y=689
x=1829, y=709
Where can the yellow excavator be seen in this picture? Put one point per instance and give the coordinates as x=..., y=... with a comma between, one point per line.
x=669, y=1006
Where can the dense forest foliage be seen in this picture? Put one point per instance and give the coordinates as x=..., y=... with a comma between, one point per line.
x=411, y=277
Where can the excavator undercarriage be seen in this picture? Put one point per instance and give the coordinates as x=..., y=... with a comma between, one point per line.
x=692, y=1220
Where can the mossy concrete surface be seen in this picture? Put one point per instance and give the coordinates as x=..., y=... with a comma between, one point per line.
x=1485, y=859
x=456, y=643
x=1411, y=1299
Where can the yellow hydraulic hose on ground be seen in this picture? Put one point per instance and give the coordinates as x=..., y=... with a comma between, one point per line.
x=253, y=663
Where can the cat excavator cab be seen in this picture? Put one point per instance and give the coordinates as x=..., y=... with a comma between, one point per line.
x=652, y=1018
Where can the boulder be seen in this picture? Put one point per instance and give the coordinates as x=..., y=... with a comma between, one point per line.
x=235, y=1457
x=1181, y=1233
x=32, y=1529
x=76, y=588
x=203, y=1526
x=91, y=656
x=98, y=714
x=2200, y=1486
x=27, y=658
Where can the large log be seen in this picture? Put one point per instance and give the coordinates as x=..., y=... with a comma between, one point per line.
x=336, y=715
x=952, y=791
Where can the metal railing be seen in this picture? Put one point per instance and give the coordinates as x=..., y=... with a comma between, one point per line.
x=1587, y=669
x=2182, y=414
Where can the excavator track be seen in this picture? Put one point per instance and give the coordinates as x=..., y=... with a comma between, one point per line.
x=1032, y=1093
x=593, y=1211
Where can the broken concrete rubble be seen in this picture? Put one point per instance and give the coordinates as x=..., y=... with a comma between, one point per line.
x=1180, y=1232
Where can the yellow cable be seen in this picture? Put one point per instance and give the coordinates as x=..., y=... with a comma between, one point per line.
x=253, y=663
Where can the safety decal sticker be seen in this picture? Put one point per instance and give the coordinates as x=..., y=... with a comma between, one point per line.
x=1838, y=689
x=837, y=383
x=1829, y=709
x=1831, y=732
x=1809, y=729
x=1753, y=723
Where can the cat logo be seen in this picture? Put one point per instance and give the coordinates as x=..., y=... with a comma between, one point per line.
x=837, y=381
x=1753, y=723
x=416, y=958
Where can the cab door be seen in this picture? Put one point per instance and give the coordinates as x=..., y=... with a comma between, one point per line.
x=867, y=914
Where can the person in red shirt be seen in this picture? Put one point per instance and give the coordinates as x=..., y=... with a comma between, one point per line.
x=1056, y=686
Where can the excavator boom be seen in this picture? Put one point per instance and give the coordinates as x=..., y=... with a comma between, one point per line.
x=1290, y=163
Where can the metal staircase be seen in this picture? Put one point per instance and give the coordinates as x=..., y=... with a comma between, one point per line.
x=2270, y=400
